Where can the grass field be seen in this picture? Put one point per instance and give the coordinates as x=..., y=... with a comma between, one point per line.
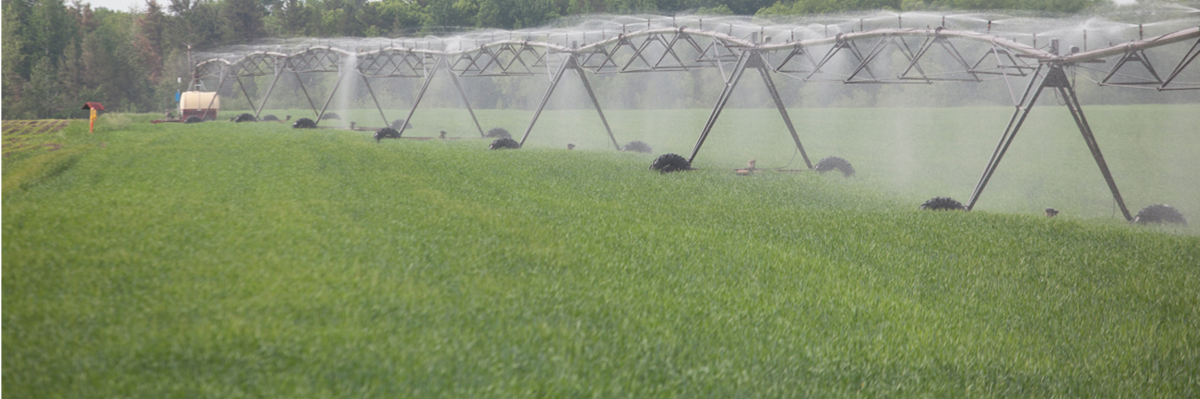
x=254, y=260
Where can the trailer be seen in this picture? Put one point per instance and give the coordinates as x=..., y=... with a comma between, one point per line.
x=199, y=104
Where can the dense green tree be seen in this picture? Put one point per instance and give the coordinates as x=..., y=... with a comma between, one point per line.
x=40, y=97
x=50, y=28
x=515, y=14
x=442, y=13
x=12, y=56
x=153, y=26
x=577, y=7
x=291, y=18
x=401, y=16
x=242, y=20
x=631, y=6
x=113, y=62
x=150, y=39
x=195, y=23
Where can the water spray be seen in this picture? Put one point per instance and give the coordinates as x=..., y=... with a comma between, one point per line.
x=757, y=46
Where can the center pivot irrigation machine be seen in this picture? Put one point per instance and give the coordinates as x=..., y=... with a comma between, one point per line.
x=972, y=47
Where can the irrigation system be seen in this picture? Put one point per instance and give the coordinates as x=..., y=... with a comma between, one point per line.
x=932, y=48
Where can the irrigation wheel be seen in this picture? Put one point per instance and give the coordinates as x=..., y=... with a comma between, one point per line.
x=668, y=163
x=1161, y=213
x=943, y=204
x=831, y=163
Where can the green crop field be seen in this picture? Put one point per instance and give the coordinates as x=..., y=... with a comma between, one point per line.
x=254, y=260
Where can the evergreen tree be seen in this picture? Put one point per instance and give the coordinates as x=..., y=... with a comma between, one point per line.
x=242, y=21
x=12, y=58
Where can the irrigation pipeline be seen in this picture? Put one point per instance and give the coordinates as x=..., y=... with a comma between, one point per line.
x=211, y=66
x=677, y=48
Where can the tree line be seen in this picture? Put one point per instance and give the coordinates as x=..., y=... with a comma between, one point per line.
x=57, y=54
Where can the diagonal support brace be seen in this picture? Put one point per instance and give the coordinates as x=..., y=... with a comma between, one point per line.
x=1056, y=79
x=751, y=60
x=569, y=63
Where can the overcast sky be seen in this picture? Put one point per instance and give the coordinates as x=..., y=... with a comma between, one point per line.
x=126, y=5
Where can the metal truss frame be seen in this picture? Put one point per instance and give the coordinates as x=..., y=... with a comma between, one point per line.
x=573, y=64
x=439, y=64
x=1056, y=79
x=681, y=49
x=1183, y=63
x=949, y=49
x=752, y=60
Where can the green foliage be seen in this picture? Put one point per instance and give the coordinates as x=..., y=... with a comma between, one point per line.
x=291, y=19
x=12, y=57
x=777, y=9
x=41, y=96
x=718, y=10
x=113, y=122
x=243, y=20
x=402, y=15
x=49, y=30
x=226, y=260
x=515, y=13
x=38, y=146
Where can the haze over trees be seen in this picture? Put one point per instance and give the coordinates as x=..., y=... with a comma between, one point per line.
x=57, y=53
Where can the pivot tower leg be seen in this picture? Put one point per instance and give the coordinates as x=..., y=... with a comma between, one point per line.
x=569, y=63
x=420, y=94
x=1056, y=79
x=463, y=94
x=592, y=95
x=749, y=59
x=268, y=96
x=330, y=99
x=376, y=100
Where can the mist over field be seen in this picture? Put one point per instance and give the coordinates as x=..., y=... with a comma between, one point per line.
x=934, y=130
x=224, y=259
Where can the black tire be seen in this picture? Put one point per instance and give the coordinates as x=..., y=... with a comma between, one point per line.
x=668, y=163
x=1161, y=213
x=386, y=133
x=400, y=122
x=498, y=133
x=193, y=119
x=331, y=116
x=504, y=143
x=835, y=163
x=304, y=123
x=270, y=117
x=245, y=118
x=638, y=146
x=943, y=204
